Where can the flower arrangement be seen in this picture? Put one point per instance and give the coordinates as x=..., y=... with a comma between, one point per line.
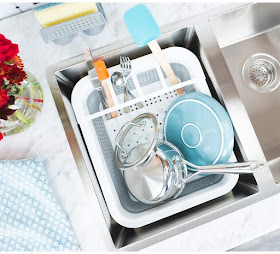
x=11, y=76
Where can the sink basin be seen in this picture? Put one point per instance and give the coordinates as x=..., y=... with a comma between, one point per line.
x=213, y=51
x=245, y=32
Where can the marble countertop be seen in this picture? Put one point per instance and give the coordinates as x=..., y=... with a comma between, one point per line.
x=46, y=138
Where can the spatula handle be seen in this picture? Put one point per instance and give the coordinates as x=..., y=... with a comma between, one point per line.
x=109, y=97
x=161, y=58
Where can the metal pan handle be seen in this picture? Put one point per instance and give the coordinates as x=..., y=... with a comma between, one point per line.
x=247, y=167
x=231, y=168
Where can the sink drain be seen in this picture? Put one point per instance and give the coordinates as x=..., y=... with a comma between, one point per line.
x=260, y=73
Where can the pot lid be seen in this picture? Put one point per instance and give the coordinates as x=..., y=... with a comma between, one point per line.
x=135, y=141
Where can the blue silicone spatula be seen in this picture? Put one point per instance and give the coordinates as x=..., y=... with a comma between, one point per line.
x=144, y=30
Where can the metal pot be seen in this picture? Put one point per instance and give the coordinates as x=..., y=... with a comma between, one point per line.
x=156, y=179
x=155, y=172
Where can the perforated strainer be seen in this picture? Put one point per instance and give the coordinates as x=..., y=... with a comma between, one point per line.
x=261, y=73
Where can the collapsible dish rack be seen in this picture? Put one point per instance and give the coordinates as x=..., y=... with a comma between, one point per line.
x=148, y=83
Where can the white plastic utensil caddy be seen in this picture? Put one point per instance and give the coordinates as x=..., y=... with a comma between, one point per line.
x=148, y=83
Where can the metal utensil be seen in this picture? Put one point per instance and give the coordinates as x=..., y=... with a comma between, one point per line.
x=94, y=81
x=117, y=79
x=246, y=167
x=126, y=70
x=103, y=75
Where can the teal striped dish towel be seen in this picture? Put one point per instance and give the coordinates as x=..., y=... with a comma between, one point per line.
x=30, y=217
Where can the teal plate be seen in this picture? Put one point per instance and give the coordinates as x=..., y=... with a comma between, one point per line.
x=201, y=129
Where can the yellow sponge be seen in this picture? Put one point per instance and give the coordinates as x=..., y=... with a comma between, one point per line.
x=52, y=14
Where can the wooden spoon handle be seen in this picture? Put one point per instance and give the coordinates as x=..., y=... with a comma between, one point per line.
x=161, y=58
x=109, y=97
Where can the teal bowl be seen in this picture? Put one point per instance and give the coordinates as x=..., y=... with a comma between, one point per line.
x=200, y=128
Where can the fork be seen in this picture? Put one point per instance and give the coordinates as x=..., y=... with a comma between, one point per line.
x=125, y=65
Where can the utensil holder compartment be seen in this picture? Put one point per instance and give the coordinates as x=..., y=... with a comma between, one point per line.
x=100, y=134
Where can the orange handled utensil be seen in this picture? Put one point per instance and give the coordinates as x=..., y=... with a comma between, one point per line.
x=103, y=75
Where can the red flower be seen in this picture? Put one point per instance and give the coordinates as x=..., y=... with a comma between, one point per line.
x=4, y=98
x=17, y=61
x=1, y=81
x=15, y=75
x=8, y=50
x=5, y=111
x=4, y=69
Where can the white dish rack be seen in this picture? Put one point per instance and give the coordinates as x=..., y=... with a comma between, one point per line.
x=148, y=83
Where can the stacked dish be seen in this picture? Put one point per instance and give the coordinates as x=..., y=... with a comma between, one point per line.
x=201, y=128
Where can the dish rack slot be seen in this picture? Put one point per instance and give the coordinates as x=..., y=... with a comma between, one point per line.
x=147, y=85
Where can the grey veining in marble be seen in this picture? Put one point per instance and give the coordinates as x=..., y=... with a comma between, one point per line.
x=268, y=242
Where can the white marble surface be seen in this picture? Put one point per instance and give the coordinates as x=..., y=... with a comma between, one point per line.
x=229, y=231
x=46, y=138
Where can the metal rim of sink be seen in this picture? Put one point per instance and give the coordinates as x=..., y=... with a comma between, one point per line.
x=261, y=73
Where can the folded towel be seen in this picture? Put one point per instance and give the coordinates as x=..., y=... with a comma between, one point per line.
x=30, y=217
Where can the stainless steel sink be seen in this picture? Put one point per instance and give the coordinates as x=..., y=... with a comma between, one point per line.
x=196, y=34
x=247, y=31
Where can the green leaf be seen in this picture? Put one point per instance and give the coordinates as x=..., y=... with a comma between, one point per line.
x=22, y=118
